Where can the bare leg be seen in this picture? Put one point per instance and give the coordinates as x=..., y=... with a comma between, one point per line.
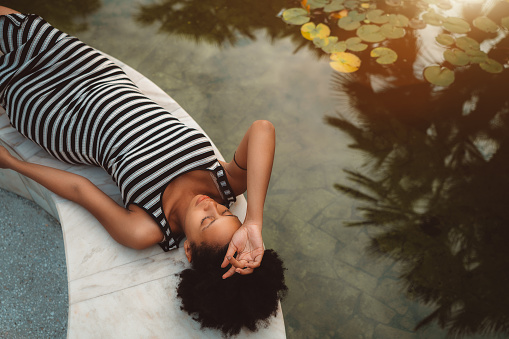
x=5, y=10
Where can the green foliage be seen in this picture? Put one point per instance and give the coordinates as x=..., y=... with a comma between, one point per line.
x=440, y=76
x=384, y=55
x=485, y=24
x=445, y=39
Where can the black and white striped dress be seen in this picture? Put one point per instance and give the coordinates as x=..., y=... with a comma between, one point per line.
x=82, y=108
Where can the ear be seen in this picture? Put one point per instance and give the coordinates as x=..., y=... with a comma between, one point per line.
x=187, y=249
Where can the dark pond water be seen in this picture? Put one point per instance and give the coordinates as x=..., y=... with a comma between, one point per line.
x=389, y=194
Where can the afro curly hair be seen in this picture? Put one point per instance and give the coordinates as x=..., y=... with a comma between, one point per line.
x=233, y=303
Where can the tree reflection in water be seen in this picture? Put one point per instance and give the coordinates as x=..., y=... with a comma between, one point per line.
x=67, y=15
x=218, y=21
x=437, y=185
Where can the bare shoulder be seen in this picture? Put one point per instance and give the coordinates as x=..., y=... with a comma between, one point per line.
x=148, y=232
x=6, y=11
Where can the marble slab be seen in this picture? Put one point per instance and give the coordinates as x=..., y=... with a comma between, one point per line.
x=115, y=291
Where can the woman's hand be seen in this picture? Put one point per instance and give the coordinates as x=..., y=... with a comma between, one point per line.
x=248, y=244
x=5, y=158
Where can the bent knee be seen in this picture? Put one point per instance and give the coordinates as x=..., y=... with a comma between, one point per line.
x=264, y=124
x=6, y=11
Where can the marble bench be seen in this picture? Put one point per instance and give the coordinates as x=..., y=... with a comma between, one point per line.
x=114, y=291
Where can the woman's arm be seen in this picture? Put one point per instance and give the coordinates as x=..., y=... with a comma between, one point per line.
x=251, y=169
x=129, y=228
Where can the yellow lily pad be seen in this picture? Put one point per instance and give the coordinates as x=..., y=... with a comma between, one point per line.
x=491, y=66
x=384, y=55
x=445, y=39
x=370, y=33
x=440, y=76
x=485, y=24
x=456, y=25
x=296, y=16
x=310, y=31
x=456, y=57
x=345, y=62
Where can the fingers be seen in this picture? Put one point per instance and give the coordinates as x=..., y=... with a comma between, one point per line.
x=229, y=273
x=244, y=271
x=229, y=254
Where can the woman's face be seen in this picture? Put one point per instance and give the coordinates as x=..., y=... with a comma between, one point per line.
x=209, y=222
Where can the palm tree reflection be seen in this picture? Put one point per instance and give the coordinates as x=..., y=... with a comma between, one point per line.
x=67, y=15
x=437, y=186
x=218, y=21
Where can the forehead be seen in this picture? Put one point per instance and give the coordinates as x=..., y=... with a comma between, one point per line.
x=221, y=230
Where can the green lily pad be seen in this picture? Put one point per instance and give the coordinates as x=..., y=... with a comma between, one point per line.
x=476, y=57
x=440, y=76
x=485, y=24
x=355, y=44
x=370, y=33
x=321, y=42
x=491, y=66
x=345, y=62
x=445, y=39
x=314, y=4
x=467, y=44
x=391, y=32
x=357, y=16
x=456, y=25
x=384, y=55
x=335, y=47
x=398, y=20
x=335, y=5
x=351, y=4
x=296, y=16
x=456, y=57
x=505, y=22
x=432, y=18
x=310, y=31
x=417, y=23
x=377, y=16
x=348, y=24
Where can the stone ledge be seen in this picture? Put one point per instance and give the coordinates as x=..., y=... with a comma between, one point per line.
x=113, y=290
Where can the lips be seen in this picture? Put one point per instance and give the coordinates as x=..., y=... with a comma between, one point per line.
x=201, y=198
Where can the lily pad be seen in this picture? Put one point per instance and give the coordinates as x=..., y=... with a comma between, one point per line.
x=391, y=32
x=384, y=55
x=351, y=4
x=456, y=25
x=335, y=5
x=440, y=76
x=310, y=31
x=321, y=42
x=485, y=24
x=417, y=23
x=477, y=57
x=335, y=47
x=296, y=16
x=345, y=62
x=432, y=18
x=314, y=4
x=398, y=20
x=357, y=16
x=377, y=16
x=370, y=33
x=467, y=44
x=491, y=66
x=445, y=39
x=505, y=22
x=355, y=44
x=348, y=24
x=456, y=57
